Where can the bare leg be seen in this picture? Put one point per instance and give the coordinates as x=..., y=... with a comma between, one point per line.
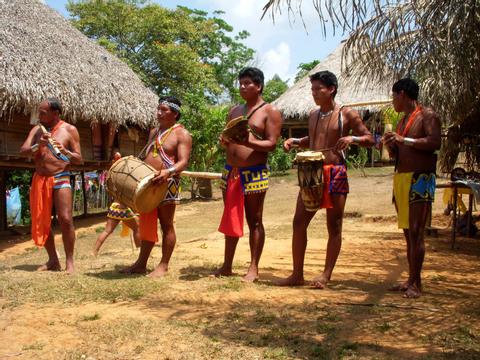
x=230, y=247
x=52, y=264
x=301, y=220
x=140, y=266
x=166, y=214
x=404, y=285
x=253, y=213
x=418, y=215
x=63, y=205
x=334, y=244
x=109, y=228
x=133, y=225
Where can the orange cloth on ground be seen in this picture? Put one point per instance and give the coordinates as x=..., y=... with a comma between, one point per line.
x=232, y=218
x=148, y=226
x=326, y=202
x=41, y=202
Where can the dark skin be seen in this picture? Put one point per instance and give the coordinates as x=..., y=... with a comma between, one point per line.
x=266, y=122
x=419, y=157
x=178, y=146
x=323, y=133
x=67, y=140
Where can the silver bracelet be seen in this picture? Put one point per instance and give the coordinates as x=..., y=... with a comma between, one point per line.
x=409, y=141
x=172, y=170
x=356, y=139
x=34, y=148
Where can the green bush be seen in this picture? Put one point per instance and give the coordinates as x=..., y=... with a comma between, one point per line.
x=280, y=161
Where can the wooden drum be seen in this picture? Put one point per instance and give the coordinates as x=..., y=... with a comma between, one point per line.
x=310, y=178
x=128, y=181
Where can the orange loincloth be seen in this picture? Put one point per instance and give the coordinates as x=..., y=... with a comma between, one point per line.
x=41, y=202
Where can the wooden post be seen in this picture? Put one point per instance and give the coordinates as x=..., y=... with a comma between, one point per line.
x=3, y=200
x=454, y=216
x=84, y=193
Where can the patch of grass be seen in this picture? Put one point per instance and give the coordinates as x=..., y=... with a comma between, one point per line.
x=276, y=353
x=347, y=349
x=93, y=317
x=34, y=346
x=437, y=278
x=99, y=229
x=227, y=284
x=323, y=327
x=384, y=327
x=48, y=288
x=263, y=317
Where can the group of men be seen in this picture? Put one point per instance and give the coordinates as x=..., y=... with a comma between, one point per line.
x=331, y=129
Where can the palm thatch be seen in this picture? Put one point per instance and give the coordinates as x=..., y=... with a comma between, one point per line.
x=434, y=41
x=42, y=55
x=297, y=102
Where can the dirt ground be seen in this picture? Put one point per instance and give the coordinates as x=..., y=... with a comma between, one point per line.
x=101, y=314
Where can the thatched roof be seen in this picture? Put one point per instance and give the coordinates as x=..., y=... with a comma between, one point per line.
x=297, y=102
x=42, y=55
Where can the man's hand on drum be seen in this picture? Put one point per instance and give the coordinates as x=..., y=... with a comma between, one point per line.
x=161, y=176
x=289, y=145
x=343, y=143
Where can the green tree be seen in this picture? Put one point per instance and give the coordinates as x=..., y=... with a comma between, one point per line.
x=304, y=68
x=173, y=51
x=433, y=41
x=274, y=88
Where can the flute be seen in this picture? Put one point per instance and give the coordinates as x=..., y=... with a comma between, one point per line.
x=50, y=140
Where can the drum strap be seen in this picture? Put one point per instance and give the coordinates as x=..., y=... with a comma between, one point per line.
x=253, y=111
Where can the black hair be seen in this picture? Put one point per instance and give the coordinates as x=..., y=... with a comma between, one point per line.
x=409, y=87
x=173, y=100
x=327, y=78
x=54, y=104
x=253, y=73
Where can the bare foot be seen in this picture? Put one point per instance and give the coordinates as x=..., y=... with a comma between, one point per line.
x=223, y=271
x=399, y=287
x=69, y=268
x=50, y=266
x=250, y=277
x=160, y=271
x=320, y=282
x=412, y=292
x=134, y=269
x=292, y=280
x=95, y=253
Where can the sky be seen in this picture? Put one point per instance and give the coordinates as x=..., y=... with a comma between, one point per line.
x=280, y=45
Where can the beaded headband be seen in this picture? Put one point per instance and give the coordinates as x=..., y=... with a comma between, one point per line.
x=171, y=105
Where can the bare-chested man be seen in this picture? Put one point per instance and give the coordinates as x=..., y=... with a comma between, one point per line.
x=413, y=145
x=52, y=153
x=169, y=151
x=329, y=130
x=245, y=178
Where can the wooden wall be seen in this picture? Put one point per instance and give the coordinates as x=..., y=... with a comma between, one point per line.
x=14, y=133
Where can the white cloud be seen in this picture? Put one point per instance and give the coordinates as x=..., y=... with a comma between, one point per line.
x=276, y=61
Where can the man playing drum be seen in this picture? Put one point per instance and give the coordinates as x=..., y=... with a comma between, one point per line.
x=413, y=145
x=53, y=148
x=329, y=130
x=245, y=177
x=168, y=152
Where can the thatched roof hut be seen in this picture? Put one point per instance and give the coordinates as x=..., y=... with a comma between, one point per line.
x=42, y=55
x=297, y=102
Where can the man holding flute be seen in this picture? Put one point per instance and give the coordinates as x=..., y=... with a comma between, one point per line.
x=54, y=145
